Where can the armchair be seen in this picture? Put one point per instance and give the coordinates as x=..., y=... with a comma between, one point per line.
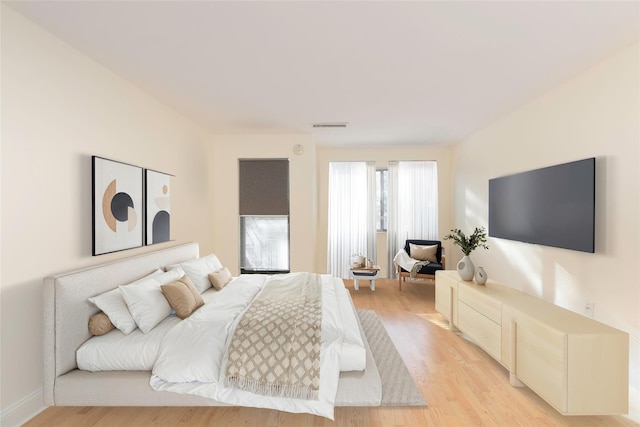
x=420, y=265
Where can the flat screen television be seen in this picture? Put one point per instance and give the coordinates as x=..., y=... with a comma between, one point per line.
x=552, y=206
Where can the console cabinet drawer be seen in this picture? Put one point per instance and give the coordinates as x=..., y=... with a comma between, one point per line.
x=540, y=361
x=483, y=304
x=577, y=373
x=484, y=331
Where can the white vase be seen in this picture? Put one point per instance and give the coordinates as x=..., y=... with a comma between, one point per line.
x=481, y=276
x=465, y=268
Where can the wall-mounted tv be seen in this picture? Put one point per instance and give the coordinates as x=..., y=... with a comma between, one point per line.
x=552, y=206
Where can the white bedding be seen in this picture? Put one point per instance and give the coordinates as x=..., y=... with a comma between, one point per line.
x=192, y=355
x=190, y=359
x=116, y=351
x=353, y=356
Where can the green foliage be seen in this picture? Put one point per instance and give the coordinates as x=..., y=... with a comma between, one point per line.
x=477, y=240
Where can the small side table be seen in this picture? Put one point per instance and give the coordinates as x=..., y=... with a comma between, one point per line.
x=365, y=273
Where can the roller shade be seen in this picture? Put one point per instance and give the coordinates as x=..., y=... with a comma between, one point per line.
x=264, y=186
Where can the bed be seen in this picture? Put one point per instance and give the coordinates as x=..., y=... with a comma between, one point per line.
x=67, y=311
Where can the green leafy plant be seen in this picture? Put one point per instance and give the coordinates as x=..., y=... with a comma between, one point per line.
x=477, y=240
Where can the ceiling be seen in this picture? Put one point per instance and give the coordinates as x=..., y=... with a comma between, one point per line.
x=397, y=72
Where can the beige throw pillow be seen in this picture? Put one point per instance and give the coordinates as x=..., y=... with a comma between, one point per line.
x=193, y=289
x=423, y=253
x=183, y=297
x=220, y=278
x=99, y=324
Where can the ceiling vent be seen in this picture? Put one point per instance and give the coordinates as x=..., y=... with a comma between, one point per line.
x=331, y=125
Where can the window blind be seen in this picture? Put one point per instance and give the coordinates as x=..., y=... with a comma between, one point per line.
x=264, y=186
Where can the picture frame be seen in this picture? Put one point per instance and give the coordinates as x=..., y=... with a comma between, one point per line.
x=157, y=207
x=117, y=206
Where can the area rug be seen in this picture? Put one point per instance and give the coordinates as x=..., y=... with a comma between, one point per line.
x=398, y=388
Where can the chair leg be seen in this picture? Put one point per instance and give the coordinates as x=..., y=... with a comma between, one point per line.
x=399, y=279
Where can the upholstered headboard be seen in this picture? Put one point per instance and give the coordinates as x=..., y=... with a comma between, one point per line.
x=67, y=311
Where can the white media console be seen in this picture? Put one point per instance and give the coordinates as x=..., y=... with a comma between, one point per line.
x=576, y=364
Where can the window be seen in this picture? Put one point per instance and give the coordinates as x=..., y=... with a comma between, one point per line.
x=264, y=215
x=382, y=178
x=264, y=244
x=401, y=199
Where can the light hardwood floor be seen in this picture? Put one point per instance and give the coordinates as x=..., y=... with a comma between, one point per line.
x=462, y=385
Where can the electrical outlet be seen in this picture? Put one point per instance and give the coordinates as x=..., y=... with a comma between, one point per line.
x=588, y=308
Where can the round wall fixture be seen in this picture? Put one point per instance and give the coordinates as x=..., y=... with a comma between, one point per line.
x=298, y=149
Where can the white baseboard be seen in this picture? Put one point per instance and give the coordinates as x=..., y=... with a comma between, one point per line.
x=23, y=410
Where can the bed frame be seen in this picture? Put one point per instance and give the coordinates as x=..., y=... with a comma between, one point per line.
x=66, y=316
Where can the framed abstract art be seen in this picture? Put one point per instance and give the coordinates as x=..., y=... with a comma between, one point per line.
x=117, y=206
x=157, y=203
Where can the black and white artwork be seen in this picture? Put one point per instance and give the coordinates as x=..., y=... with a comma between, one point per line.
x=158, y=212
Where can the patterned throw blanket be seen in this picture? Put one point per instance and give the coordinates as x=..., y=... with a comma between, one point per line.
x=275, y=349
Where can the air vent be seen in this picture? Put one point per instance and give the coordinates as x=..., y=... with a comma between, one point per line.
x=331, y=125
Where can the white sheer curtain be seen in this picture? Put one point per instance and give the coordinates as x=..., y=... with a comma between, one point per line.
x=413, y=187
x=392, y=217
x=351, y=214
x=372, y=229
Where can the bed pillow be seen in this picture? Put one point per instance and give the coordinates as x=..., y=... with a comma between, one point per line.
x=220, y=278
x=182, y=296
x=199, y=269
x=423, y=253
x=145, y=301
x=99, y=324
x=114, y=306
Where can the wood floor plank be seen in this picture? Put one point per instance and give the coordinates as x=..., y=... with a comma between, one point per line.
x=462, y=385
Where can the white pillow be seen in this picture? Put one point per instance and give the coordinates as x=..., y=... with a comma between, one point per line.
x=114, y=306
x=145, y=300
x=198, y=270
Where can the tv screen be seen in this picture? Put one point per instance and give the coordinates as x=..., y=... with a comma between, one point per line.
x=552, y=206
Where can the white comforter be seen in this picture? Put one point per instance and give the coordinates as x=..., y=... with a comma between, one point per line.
x=192, y=359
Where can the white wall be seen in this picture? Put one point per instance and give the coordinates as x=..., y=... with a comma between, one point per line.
x=59, y=108
x=228, y=149
x=595, y=114
x=382, y=155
